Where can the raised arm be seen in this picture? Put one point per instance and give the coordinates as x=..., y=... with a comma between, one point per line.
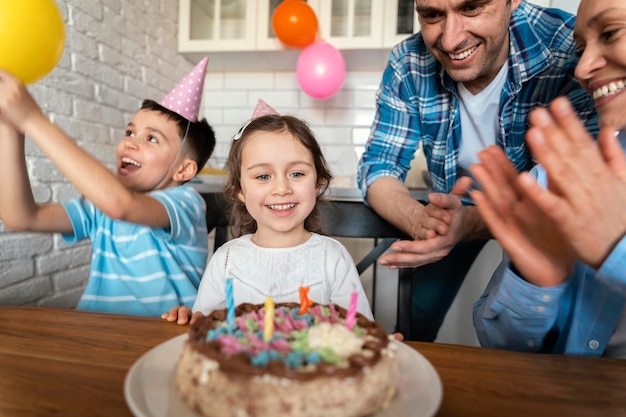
x=18, y=209
x=92, y=179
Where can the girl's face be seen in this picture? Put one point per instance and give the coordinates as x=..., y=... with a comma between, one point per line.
x=147, y=152
x=278, y=187
x=600, y=35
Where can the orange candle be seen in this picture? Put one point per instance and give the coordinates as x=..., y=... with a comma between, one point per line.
x=305, y=302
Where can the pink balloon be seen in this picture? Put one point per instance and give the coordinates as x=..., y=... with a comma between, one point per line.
x=321, y=70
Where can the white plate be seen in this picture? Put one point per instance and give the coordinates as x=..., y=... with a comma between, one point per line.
x=149, y=386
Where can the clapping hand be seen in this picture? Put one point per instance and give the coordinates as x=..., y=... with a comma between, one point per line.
x=586, y=192
x=531, y=238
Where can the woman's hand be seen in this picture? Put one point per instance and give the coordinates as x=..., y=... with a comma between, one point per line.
x=532, y=239
x=586, y=192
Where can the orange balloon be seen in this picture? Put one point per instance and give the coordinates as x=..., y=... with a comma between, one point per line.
x=295, y=23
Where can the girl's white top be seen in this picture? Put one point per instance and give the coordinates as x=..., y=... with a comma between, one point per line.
x=321, y=263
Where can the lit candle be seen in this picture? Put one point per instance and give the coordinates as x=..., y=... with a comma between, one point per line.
x=268, y=327
x=305, y=303
x=351, y=314
x=230, y=302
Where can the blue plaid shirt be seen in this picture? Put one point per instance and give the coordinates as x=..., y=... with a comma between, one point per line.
x=418, y=101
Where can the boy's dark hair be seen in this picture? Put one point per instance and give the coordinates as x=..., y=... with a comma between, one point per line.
x=242, y=222
x=200, y=137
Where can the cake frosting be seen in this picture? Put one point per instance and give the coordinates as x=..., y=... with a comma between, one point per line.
x=312, y=365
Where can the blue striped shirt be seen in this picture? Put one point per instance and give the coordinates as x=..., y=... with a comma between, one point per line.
x=418, y=101
x=139, y=270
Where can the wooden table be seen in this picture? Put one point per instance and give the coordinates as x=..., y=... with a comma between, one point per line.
x=72, y=363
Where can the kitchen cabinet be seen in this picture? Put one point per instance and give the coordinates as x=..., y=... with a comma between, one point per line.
x=217, y=25
x=245, y=25
x=348, y=24
x=400, y=21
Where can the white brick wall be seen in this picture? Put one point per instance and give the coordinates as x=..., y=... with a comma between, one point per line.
x=117, y=53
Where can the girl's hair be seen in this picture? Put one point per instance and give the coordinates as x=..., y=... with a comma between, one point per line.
x=241, y=221
x=200, y=138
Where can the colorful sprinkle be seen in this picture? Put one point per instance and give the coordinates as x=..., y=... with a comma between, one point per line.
x=290, y=342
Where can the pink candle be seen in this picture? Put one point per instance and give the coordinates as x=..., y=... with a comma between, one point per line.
x=351, y=314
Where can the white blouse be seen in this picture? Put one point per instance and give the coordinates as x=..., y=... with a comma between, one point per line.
x=321, y=263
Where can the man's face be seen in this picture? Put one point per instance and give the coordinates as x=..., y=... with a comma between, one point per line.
x=469, y=37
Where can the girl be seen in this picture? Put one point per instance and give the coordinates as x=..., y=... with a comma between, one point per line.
x=277, y=175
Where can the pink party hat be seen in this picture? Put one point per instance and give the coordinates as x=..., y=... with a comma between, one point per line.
x=185, y=98
x=262, y=109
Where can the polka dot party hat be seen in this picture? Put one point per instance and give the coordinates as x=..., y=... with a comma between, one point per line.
x=262, y=109
x=185, y=98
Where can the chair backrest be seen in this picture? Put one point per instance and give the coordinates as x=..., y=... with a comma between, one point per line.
x=217, y=217
x=355, y=219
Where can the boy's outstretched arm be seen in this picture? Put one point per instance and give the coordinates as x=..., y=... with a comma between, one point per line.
x=92, y=179
x=18, y=209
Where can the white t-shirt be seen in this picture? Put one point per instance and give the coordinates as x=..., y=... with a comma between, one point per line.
x=321, y=263
x=479, y=118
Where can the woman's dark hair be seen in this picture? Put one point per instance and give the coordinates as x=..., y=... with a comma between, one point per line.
x=241, y=221
x=200, y=138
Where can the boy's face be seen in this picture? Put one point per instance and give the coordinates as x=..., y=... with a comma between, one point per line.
x=470, y=38
x=146, y=154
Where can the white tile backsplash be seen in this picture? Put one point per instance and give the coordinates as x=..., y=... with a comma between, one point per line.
x=340, y=123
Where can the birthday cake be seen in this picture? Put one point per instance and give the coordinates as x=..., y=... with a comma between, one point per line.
x=312, y=364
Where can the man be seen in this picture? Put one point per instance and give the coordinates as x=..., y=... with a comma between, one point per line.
x=466, y=81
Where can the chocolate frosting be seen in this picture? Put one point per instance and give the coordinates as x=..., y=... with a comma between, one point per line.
x=239, y=364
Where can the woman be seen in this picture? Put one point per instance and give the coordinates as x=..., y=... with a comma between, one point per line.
x=561, y=286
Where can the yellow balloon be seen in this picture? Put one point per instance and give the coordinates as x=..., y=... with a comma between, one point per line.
x=32, y=37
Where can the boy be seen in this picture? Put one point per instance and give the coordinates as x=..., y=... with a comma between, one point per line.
x=148, y=230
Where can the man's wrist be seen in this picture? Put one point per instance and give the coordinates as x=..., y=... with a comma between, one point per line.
x=475, y=228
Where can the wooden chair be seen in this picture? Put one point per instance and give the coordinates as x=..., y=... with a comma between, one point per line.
x=356, y=220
